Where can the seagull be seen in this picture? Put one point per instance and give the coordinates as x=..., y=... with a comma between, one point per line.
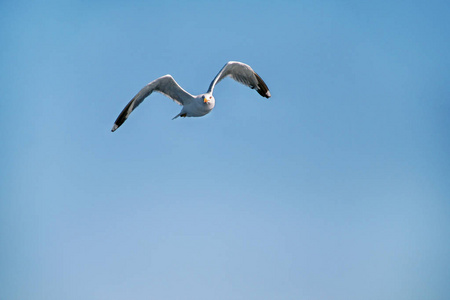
x=195, y=106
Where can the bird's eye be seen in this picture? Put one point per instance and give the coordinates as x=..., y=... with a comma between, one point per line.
x=209, y=97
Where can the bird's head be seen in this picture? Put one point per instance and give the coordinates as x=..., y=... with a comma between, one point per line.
x=208, y=99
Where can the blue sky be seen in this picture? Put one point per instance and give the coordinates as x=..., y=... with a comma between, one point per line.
x=335, y=188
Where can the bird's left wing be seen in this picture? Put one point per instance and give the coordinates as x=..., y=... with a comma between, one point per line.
x=244, y=74
x=165, y=85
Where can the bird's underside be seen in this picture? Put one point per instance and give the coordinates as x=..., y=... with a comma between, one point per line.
x=195, y=106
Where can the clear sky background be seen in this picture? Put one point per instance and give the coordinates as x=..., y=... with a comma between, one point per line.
x=338, y=187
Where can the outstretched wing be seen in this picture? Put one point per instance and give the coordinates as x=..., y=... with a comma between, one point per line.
x=165, y=85
x=244, y=74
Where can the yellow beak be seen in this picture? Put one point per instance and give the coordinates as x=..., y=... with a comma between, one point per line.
x=205, y=100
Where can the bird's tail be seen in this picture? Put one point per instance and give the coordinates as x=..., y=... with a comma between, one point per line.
x=176, y=116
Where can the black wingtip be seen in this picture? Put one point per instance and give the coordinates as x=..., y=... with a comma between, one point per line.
x=262, y=88
x=122, y=117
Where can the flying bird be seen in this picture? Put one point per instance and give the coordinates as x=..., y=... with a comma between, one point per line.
x=195, y=106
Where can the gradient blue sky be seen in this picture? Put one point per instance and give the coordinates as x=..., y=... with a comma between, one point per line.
x=338, y=187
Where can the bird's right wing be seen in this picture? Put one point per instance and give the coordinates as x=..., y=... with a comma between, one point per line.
x=241, y=73
x=165, y=85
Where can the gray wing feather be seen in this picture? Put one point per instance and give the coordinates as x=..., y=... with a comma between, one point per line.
x=165, y=85
x=241, y=73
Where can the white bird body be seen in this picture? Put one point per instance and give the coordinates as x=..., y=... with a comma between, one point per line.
x=198, y=106
x=195, y=106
